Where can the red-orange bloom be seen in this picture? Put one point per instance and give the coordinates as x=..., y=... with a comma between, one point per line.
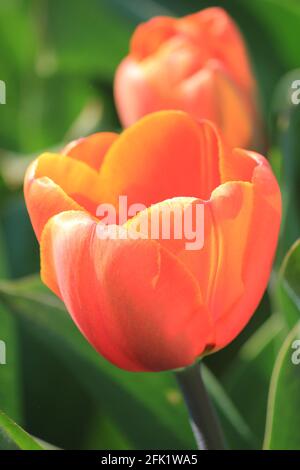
x=197, y=64
x=150, y=305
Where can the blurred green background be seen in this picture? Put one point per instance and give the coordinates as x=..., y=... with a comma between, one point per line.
x=58, y=59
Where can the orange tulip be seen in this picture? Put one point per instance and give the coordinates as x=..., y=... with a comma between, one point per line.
x=197, y=64
x=151, y=304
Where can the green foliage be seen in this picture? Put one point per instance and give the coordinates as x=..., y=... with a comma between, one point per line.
x=251, y=371
x=288, y=286
x=12, y=437
x=58, y=60
x=282, y=430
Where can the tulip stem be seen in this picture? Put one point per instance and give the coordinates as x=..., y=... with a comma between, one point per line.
x=203, y=418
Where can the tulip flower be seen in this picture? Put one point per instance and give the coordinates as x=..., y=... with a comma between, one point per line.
x=151, y=304
x=197, y=64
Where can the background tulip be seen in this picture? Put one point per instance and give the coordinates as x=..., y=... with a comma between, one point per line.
x=198, y=64
x=150, y=305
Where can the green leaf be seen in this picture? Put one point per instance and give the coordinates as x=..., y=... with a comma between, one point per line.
x=281, y=19
x=53, y=104
x=286, y=121
x=21, y=245
x=122, y=399
x=13, y=437
x=17, y=48
x=10, y=380
x=100, y=47
x=3, y=256
x=282, y=428
x=288, y=286
x=238, y=435
x=18, y=45
x=291, y=273
x=250, y=374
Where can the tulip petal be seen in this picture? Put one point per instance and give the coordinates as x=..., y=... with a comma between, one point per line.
x=237, y=165
x=76, y=178
x=215, y=28
x=44, y=199
x=92, y=149
x=231, y=209
x=135, y=94
x=211, y=94
x=260, y=248
x=213, y=263
x=237, y=236
x=132, y=299
x=170, y=66
x=246, y=221
x=150, y=35
x=178, y=226
x=146, y=162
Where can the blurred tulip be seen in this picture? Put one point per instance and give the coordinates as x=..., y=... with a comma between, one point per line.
x=197, y=64
x=151, y=305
